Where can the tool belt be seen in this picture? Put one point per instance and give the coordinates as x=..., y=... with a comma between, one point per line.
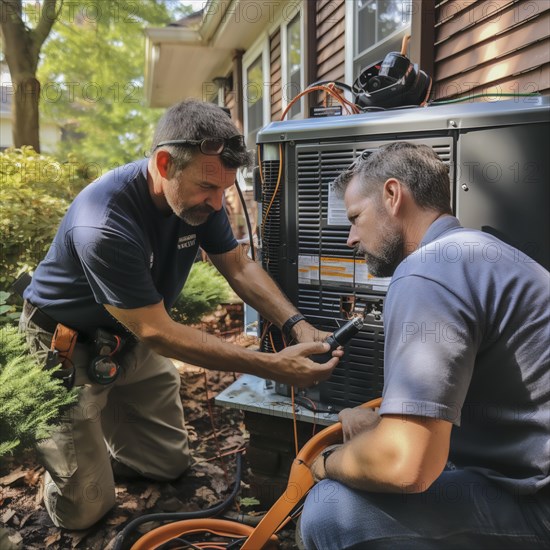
x=62, y=345
x=105, y=349
x=105, y=346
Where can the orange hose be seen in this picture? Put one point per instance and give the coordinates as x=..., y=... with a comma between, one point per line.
x=405, y=44
x=300, y=482
x=159, y=536
x=342, y=100
x=262, y=536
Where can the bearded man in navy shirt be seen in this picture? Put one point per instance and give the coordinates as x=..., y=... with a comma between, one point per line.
x=118, y=262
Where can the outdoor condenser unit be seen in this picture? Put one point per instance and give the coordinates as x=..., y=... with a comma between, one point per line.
x=497, y=153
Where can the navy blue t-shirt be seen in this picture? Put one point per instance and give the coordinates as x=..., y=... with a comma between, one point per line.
x=115, y=247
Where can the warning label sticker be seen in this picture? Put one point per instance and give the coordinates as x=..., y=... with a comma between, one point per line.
x=315, y=270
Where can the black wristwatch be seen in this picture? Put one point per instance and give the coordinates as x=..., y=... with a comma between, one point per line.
x=289, y=323
x=325, y=455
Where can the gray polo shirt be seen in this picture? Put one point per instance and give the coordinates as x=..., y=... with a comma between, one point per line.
x=467, y=323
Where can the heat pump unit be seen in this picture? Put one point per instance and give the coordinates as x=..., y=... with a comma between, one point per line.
x=497, y=154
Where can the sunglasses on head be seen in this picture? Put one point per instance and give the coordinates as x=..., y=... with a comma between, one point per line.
x=207, y=146
x=364, y=155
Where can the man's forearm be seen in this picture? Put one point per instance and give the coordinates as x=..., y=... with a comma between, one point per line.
x=363, y=468
x=206, y=350
x=260, y=291
x=292, y=366
x=401, y=454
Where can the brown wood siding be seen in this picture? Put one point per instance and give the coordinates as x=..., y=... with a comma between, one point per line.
x=276, y=75
x=330, y=37
x=491, y=46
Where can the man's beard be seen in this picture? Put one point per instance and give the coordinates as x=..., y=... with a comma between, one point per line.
x=386, y=261
x=196, y=215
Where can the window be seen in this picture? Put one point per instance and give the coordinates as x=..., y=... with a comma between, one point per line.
x=293, y=67
x=253, y=98
x=378, y=28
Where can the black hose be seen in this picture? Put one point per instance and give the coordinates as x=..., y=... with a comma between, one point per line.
x=247, y=218
x=180, y=516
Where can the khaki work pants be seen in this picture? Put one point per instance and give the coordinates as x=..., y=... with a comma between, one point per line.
x=137, y=420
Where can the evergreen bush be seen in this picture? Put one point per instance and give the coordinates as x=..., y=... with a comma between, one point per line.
x=8, y=312
x=204, y=290
x=35, y=192
x=31, y=400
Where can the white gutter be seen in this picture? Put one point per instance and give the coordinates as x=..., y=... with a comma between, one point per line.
x=173, y=35
x=215, y=13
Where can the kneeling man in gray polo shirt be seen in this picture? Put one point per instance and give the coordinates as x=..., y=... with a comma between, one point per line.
x=459, y=452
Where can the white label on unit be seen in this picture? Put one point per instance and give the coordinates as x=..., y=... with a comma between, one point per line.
x=336, y=209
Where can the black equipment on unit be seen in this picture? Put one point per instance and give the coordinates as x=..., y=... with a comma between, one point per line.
x=392, y=82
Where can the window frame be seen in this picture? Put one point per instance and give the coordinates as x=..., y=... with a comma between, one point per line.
x=283, y=25
x=260, y=49
x=369, y=56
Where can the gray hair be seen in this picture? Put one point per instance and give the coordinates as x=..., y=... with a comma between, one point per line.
x=416, y=166
x=196, y=120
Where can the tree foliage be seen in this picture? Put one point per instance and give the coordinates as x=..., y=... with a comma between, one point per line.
x=31, y=400
x=93, y=80
x=35, y=191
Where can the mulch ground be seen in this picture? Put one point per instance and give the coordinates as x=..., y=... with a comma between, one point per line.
x=207, y=483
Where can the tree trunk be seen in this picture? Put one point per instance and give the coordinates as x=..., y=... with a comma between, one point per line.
x=25, y=112
x=22, y=50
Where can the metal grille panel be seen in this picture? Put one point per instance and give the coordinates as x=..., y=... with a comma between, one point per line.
x=271, y=222
x=359, y=375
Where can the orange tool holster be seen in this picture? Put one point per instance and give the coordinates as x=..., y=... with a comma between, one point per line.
x=61, y=353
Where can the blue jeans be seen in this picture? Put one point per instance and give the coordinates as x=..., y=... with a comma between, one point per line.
x=461, y=510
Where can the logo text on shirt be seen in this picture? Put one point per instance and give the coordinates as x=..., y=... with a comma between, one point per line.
x=187, y=241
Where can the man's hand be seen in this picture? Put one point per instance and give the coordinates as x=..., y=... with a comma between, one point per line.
x=358, y=420
x=295, y=367
x=318, y=467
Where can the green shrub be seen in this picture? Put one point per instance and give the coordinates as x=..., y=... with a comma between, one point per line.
x=35, y=191
x=204, y=290
x=8, y=312
x=31, y=400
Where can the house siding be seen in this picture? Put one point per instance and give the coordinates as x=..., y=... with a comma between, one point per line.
x=330, y=40
x=485, y=46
